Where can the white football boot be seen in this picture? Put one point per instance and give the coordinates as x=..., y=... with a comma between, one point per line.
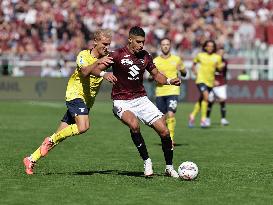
x=224, y=122
x=170, y=171
x=148, y=167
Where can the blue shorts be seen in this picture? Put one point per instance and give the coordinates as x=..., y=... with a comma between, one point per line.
x=167, y=103
x=74, y=107
x=202, y=87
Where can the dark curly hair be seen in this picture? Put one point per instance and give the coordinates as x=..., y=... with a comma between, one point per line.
x=206, y=43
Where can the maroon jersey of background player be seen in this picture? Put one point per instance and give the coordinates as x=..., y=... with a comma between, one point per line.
x=129, y=69
x=221, y=76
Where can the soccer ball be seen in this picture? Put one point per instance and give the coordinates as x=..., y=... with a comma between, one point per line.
x=188, y=170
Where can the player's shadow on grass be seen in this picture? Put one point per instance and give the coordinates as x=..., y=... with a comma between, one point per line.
x=136, y=174
x=113, y=172
x=177, y=144
x=94, y=172
x=83, y=172
x=110, y=172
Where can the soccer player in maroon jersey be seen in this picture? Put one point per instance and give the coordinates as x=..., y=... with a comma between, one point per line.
x=130, y=101
x=219, y=91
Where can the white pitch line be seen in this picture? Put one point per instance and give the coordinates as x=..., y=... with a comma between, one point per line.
x=238, y=130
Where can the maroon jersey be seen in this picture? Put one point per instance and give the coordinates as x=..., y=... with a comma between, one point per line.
x=129, y=69
x=221, y=76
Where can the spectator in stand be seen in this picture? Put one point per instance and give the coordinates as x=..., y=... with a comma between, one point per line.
x=65, y=69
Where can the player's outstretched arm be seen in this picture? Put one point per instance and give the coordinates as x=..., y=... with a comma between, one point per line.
x=102, y=63
x=97, y=69
x=162, y=79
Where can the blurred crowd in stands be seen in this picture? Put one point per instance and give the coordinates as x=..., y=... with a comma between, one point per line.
x=64, y=27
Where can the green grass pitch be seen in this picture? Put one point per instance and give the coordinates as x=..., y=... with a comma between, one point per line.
x=103, y=167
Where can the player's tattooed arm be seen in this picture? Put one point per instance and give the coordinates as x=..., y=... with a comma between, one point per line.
x=162, y=79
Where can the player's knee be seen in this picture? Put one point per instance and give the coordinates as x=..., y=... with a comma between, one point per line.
x=164, y=133
x=171, y=114
x=83, y=128
x=134, y=126
x=206, y=98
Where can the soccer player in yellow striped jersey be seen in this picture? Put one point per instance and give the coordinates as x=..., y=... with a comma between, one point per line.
x=167, y=95
x=208, y=62
x=81, y=91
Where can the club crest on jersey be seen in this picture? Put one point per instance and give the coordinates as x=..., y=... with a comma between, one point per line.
x=81, y=60
x=126, y=61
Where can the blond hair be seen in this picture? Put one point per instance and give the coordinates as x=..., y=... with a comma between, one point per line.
x=102, y=32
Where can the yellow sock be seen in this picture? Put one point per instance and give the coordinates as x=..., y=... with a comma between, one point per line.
x=69, y=131
x=36, y=155
x=204, y=107
x=171, y=122
x=196, y=109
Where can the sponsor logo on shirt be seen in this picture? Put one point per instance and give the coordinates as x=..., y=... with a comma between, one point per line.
x=134, y=71
x=126, y=61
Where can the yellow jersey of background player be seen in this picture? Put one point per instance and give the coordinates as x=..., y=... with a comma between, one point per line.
x=207, y=66
x=208, y=61
x=167, y=95
x=169, y=67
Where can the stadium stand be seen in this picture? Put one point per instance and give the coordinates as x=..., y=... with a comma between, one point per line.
x=38, y=33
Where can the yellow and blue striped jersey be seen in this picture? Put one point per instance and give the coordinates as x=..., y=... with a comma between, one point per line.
x=82, y=87
x=207, y=66
x=169, y=67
